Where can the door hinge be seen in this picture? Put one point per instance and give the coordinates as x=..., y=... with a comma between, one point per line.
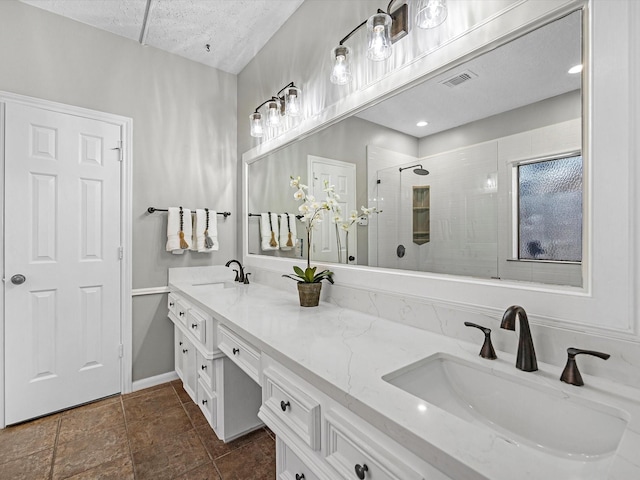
x=120, y=350
x=120, y=149
x=120, y=253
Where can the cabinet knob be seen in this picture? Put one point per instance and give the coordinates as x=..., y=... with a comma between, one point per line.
x=284, y=405
x=204, y=402
x=361, y=470
x=180, y=343
x=181, y=313
x=203, y=367
x=236, y=351
x=299, y=476
x=171, y=304
x=194, y=325
x=185, y=350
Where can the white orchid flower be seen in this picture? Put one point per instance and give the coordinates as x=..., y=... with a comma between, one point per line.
x=299, y=195
x=354, y=215
x=304, y=209
x=345, y=227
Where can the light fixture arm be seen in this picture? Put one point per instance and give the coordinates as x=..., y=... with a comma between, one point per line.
x=267, y=101
x=290, y=84
x=361, y=25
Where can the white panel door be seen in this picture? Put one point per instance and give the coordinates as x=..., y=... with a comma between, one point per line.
x=62, y=234
x=342, y=176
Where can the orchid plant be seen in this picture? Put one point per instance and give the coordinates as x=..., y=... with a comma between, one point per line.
x=312, y=212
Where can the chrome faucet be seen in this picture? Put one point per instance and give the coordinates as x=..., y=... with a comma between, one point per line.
x=526, y=357
x=239, y=274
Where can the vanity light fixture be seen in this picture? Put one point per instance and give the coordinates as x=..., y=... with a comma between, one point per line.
x=287, y=105
x=383, y=29
x=430, y=13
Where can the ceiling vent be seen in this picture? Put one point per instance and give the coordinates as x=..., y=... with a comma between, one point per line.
x=459, y=78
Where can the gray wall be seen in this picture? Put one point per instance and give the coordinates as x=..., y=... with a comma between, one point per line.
x=184, y=140
x=546, y=112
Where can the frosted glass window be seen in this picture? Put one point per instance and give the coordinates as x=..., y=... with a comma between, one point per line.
x=550, y=210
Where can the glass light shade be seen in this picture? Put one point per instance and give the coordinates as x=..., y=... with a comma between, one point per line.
x=293, y=102
x=341, y=73
x=273, y=113
x=431, y=13
x=255, y=120
x=379, y=34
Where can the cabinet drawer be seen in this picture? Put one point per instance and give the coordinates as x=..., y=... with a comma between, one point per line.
x=207, y=402
x=297, y=410
x=197, y=324
x=246, y=356
x=354, y=456
x=290, y=467
x=206, y=371
x=182, y=308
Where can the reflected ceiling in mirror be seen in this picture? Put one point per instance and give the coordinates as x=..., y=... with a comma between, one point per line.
x=513, y=105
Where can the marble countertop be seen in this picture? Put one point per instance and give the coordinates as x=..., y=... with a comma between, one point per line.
x=345, y=354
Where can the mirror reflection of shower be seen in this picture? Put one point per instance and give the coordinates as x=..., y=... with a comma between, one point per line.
x=417, y=171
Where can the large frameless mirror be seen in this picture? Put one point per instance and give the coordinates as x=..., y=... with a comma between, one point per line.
x=475, y=172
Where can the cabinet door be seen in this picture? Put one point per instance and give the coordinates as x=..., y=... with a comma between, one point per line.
x=178, y=356
x=187, y=364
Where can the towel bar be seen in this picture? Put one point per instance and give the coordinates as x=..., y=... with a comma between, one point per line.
x=257, y=215
x=154, y=209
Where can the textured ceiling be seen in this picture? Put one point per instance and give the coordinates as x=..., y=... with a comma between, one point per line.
x=235, y=29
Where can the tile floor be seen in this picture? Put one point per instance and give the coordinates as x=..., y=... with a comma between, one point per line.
x=157, y=433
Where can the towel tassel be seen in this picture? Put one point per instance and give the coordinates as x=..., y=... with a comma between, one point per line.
x=289, y=241
x=183, y=243
x=272, y=242
x=208, y=242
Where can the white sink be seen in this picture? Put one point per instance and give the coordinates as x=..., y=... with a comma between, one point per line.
x=519, y=411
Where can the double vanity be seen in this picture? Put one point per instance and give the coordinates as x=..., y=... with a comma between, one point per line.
x=354, y=396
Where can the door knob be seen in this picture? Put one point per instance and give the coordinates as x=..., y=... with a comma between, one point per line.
x=18, y=279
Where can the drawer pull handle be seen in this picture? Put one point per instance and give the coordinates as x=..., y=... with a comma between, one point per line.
x=300, y=476
x=171, y=304
x=236, y=351
x=284, y=405
x=361, y=470
x=181, y=313
x=185, y=350
x=203, y=367
x=194, y=325
x=204, y=402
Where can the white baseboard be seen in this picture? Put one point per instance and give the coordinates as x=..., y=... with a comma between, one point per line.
x=153, y=381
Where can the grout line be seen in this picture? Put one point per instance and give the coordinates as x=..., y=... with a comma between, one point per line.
x=55, y=447
x=126, y=429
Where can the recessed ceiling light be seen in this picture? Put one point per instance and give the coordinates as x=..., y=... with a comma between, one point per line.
x=575, y=69
x=422, y=123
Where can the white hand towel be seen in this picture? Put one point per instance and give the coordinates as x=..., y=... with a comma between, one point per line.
x=287, y=231
x=173, y=229
x=269, y=231
x=201, y=232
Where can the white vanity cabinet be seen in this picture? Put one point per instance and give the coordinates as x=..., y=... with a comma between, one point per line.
x=320, y=439
x=228, y=398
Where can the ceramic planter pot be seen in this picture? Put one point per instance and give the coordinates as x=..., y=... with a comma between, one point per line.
x=309, y=294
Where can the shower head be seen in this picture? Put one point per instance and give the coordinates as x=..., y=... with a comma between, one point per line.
x=417, y=171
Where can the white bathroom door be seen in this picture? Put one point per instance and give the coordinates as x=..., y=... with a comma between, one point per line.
x=342, y=176
x=62, y=261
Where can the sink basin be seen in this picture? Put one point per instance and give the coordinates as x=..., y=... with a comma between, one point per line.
x=517, y=410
